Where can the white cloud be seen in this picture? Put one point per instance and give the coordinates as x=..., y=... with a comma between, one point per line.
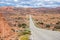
x=22, y=6
x=34, y=3
x=16, y=0
x=8, y=3
x=57, y=0
x=2, y=2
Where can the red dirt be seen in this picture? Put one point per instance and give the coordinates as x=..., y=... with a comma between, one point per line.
x=5, y=29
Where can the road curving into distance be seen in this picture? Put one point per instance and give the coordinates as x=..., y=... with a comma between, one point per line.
x=42, y=34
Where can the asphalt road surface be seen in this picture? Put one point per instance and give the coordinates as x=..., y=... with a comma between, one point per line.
x=42, y=34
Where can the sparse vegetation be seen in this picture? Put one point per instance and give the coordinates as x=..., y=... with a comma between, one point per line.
x=23, y=25
x=19, y=25
x=58, y=22
x=57, y=26
x=47, y=25
x=40, y=23
x=47, y=21
x=13, y=30
x=24, y=37
x=16, y=20
x=26, y=32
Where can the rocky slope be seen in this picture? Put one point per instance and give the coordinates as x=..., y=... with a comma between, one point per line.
x=6, y=32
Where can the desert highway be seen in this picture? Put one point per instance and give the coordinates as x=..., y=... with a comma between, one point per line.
x=42, y=34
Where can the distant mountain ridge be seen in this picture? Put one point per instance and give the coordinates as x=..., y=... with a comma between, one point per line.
x=21, y=10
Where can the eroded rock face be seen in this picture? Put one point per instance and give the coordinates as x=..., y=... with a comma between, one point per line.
x=5, y=29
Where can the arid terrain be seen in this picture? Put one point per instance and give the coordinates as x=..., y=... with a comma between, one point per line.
x=13, y=25
x=14, y=22
x=47, y=21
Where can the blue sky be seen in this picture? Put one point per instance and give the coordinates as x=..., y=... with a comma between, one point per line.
x=30, y=3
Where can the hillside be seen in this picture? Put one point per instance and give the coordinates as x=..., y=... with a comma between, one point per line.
x=5, y=29
x=24, y=11
x=12, y=24
x=14, y=21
